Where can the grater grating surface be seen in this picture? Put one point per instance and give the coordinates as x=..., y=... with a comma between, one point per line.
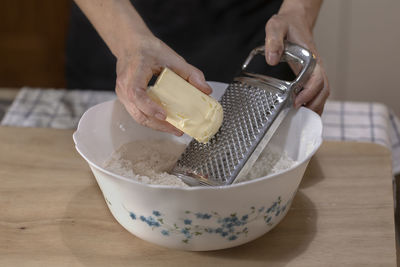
x=254, y=105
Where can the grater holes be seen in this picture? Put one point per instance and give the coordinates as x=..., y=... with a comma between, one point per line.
x=232, y=156
x=222, y=165
x=249, y=109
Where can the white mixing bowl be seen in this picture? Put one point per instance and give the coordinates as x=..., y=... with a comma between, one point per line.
x=194, y=218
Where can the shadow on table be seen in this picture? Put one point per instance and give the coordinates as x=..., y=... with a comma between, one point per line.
x=284, y=243
x=313, y=174
x=291, y=236
x=95, y=238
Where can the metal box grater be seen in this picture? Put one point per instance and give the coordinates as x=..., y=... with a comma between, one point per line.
x=254, y=106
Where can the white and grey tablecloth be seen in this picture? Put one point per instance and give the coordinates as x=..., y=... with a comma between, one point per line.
x=342, y=121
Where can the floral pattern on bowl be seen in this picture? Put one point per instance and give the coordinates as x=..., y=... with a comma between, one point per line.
x=230, y=228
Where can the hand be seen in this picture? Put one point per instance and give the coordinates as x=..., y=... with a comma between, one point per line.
x=135, y=68
x=297, y=29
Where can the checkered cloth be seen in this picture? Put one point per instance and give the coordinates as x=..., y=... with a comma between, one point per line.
x=60, y=109
x=363, y=122
x=343, y=121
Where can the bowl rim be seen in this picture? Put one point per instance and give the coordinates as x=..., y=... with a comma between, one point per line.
x=195, y=188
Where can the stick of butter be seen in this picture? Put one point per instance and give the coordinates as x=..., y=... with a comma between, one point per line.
x=188, y=109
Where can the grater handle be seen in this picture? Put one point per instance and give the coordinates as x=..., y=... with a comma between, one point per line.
x=291, y=52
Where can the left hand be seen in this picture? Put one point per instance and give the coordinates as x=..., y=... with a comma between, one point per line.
x=295, y=28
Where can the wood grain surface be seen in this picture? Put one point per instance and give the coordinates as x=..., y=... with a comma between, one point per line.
x=52, y=212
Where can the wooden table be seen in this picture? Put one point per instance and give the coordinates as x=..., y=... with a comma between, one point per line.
x=8, y=93
x=52, y=212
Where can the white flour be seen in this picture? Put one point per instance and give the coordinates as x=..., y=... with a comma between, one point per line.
x=270, y=161
x=148, y=161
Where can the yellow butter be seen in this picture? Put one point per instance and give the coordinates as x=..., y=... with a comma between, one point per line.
x=188, y=109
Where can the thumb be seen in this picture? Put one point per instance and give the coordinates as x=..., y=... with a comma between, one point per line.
x=193, y=75
x=188, y=72
x=275, y=32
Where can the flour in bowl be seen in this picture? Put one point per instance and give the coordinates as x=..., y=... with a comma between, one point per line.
x=270, y=161
x=148, y=161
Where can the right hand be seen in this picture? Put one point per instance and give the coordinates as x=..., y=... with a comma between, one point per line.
x=136, y=66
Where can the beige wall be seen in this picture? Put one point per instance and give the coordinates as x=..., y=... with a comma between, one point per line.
x=359, y=41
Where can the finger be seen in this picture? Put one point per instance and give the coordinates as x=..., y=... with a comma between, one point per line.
x=150, y=122
x=188, y=72
x=275, y=32
x=317, y=103
x=163, y=126
x=313, y=86
x=146, y=105
x=133, y=89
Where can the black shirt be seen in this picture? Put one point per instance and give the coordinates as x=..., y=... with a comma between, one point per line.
x=213, y=35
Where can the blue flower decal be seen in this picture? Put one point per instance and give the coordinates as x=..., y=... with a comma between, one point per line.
x=232, y=237
x=203, y=216
x=164, y=232
x=150, y=221
x=156, y=213
x=230, y=227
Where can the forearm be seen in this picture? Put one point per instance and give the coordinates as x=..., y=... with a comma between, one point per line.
x=307, y=8
x=116, y=21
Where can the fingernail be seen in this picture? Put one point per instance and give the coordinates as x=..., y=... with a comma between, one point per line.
x=160, y=116
x=273, y=58
x=209, y=90
x=206, y=88
x=178, y=133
